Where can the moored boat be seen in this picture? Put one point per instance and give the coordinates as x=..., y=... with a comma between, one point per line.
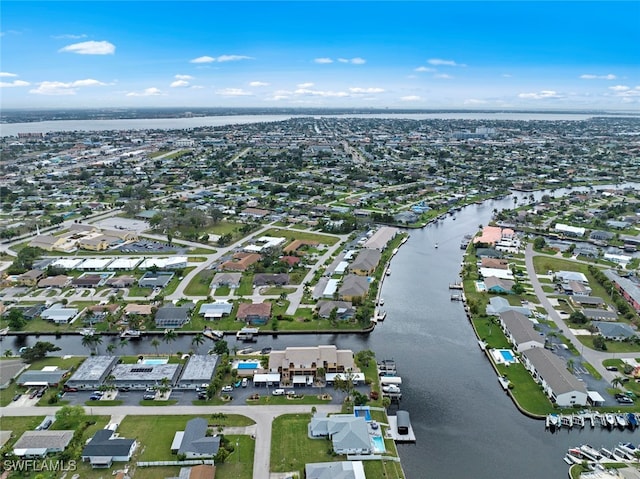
x=632, y=421
x=212, y=334
x=590, y=453
x=130, y=334
x=610, y=420
x=621, y=420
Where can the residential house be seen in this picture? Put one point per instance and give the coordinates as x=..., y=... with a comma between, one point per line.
x=31, y=277
x=551, y=372
x=42, y=443
x=215, y=310
x=614, y=331
x=366, y=262
x=335, y=470
x=264, y=279
x=59, y=281
x=380, y=238
x=240, y=262
x=348, y=434
x=44, y=377
x=519, y=331
x=498, y=285
x=495, y=263
x=344, y=309
x=193, y=442
x=254, y=313
x=498, y=305
x=158, y=279
x=92, y=373
x=105, y=448
x=352, y=287
x=295, y=245
x=588, y=301
x=59, y=314
x=230, y=280
x=600, y=314
x=170, y=316
x=198, y=370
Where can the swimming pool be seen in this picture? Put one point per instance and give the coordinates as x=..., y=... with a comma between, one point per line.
x=365, y=413
x=504, y=356
x=249, y=365
x=378, y=444
x=155, y=361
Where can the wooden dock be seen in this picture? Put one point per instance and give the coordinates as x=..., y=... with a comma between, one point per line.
x=392, y=431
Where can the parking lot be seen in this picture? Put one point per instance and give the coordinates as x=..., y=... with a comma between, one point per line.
x=148, y=246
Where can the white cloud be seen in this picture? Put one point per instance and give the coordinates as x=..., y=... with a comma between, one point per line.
x=619, y=88
x=410, y=98
x=153, y=91
x=323, y=60
x=220, y=59
x=258, y=83
x=323, y=93
x=443, y=76
x=7, y=74
x=425, y=69
x=354, y=61
x=281, y=95
x=233, y=58
x=366, y=90
x=183, y=77
x=179, y=84
x=233, y=92
x=540, y=95
x=90, y=48
x=69, y=36
x=305, y=85
x=57, y=88
x=445, y=63
x=474, y=101
x=204, y=59
x=610, y=76
x=507, y=75
x=14, y=83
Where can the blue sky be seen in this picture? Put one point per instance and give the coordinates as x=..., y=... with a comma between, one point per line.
x=506, y=54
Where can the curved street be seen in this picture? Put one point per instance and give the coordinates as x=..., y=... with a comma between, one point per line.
x=589, y=355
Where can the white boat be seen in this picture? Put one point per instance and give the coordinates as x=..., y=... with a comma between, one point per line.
x=621, y=453
x=610, y=419
x=570, y=459
x=381, y=301
x=4, y=331
x=590, y=453
x=130, y=333
x=578, y=420
x=621, y=421
x=388, y=272
x=213, y=334
x=88, y=331
x=436, y=246
x=607, y=453
x=566, y=421
x=554, y=420
x=247, y=334
x=628, y=448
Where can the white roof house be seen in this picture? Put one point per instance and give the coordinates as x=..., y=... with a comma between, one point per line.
x=125, y=263
x=94, y=263
x=570, y=230
x=67, y=263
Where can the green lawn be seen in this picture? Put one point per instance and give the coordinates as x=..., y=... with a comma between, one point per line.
x=199, y=285
x=301, y=235
x=383, y=469
x=291, y=448
x=526, y=391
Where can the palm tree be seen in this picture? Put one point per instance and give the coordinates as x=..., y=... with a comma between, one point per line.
x=155, y=342
x=197, y=341
x=97, y=341
x=111, y=347
x=87, y=341
x=169, y=336
x=617, y=381
x=123, y=343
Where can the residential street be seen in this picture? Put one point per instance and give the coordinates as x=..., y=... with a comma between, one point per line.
x=262, y=415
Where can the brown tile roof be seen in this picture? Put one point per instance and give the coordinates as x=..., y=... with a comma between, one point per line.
x=257, y=309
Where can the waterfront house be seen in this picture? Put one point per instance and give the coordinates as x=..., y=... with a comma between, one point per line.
x=551, y=372
x=366, y=262
x=256, y=314
x=344, y=309
x=335, y=470
x=498, y=285
x=170, y=316
x=519, y=331
x=92, y=373
x=353, y=286
x=348, y=434
x=303, y=362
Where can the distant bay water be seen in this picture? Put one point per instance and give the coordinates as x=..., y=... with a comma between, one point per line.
x=12, y=129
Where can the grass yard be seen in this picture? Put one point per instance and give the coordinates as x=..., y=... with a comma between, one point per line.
x=199, y=285
x=383, y=469
x=291, y=448
x=301, y=235
x=526, y=391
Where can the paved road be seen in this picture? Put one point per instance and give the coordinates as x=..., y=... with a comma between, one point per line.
x=262, y=415
x=591, y=356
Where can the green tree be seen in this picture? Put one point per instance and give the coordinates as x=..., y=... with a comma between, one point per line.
x=38, y=351
x=16, y=319
x=69, y=417
x=221, y=348
x=155, y=342
x=169, y=337
x=578, y=317
x=599, y=343
x=197, y=341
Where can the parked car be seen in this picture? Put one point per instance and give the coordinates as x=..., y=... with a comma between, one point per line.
x=202, y=395
x=149, y=396
x=244, y=382
x=227, y=389
x=623, y=399
x=124, y=389
x=97, y=393
x=17, y=396
x=69, y=389
x=33, y=394
x=291, y=392
x=94, y=397
x=611, y=368
x=278, y=392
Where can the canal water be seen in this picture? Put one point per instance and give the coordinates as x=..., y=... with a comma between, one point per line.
x=466, y=426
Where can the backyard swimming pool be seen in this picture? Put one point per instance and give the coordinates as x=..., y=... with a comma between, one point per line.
x=378, y=444
x=365, y=413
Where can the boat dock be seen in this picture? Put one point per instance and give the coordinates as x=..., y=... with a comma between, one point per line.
x=455, y=286
x=457, y=297
x=212, y=334
x=593, y=419
x=392, y=431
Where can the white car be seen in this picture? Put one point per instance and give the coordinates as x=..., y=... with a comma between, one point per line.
x=227, y=389
x=278, y=392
